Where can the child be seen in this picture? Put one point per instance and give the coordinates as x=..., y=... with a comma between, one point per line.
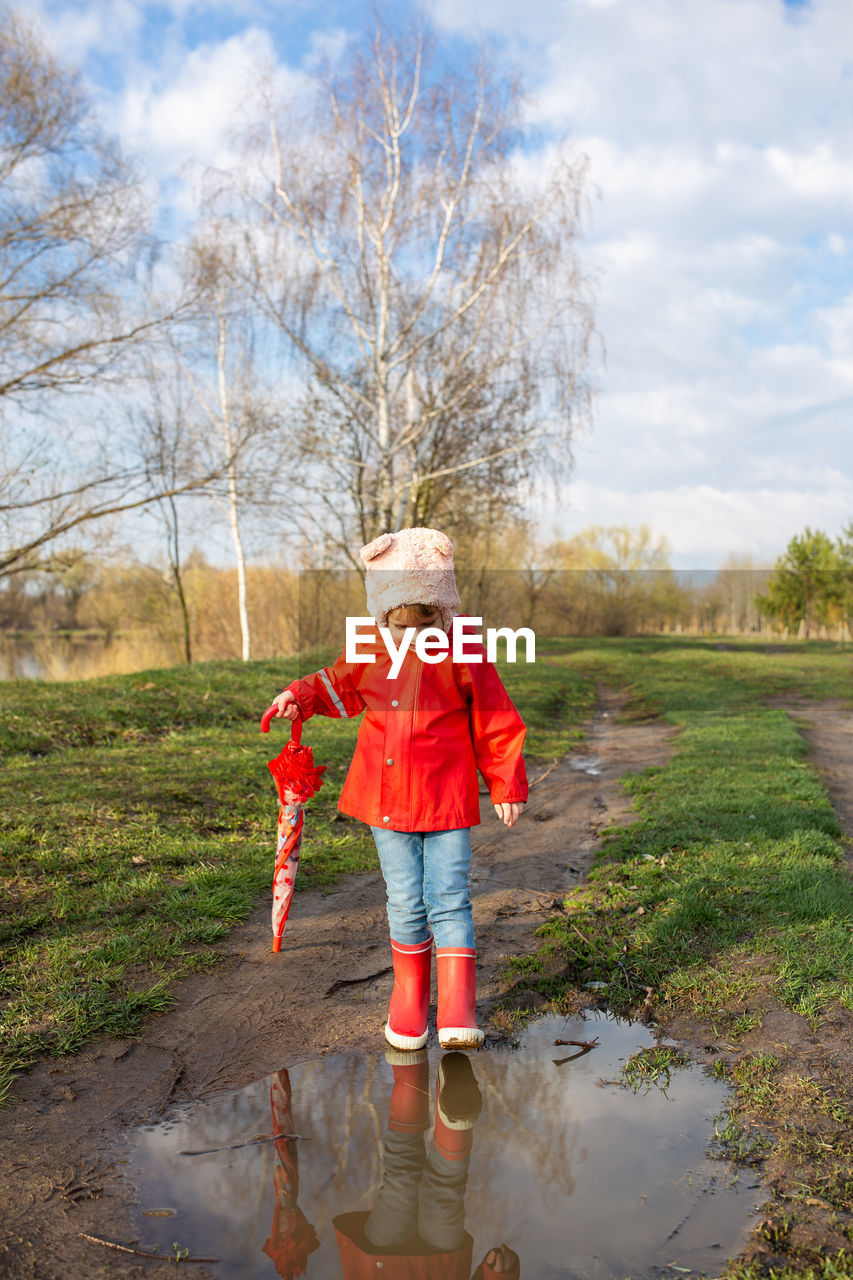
x=413, y=776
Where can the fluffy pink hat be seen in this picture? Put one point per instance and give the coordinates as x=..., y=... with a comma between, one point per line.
x=414, y=566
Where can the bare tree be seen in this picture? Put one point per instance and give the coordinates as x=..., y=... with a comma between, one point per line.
x=73, y=218
x=165, y=439
x=614, y=580
x=71, y=215
x=729, y=601
x=430, y=292
x=242, y=431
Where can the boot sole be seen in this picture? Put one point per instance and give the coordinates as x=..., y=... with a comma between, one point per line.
x=460, y=1037
x=409, y=1043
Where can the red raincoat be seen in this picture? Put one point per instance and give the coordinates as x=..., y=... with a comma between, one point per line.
x=361, y=1260
x=424, y=736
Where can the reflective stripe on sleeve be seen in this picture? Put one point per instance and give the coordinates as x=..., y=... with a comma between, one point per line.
x=335, y=699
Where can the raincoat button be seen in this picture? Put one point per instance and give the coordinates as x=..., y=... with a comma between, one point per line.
x=394, y=702
x=389, y=761
x=386, y=819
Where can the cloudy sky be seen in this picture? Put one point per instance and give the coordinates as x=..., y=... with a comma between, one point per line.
x=720, y=140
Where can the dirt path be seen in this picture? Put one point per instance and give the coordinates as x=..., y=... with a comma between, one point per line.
x=328, y=989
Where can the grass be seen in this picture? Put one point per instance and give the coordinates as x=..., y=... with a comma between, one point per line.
x=727, y=897
x=653, y=1066
x=137, y=820
x=137, y=825
x=834, y=1268
x=736, y=851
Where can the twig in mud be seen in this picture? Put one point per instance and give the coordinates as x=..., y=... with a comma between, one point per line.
x=250, y=1142
x=354, y=982
x=544, y=775
x=592, y=946
x=582, y=937
x=583, y=1047
x=138, y=1253
x=535, y=781
x=645, y=1016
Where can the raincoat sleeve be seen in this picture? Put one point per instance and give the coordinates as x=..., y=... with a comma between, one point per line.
x=328, y=692
x=497, y=731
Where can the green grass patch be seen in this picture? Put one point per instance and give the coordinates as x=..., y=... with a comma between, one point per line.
x=736, y=850
x=653, y=1066
x=137, y=827
x=838, y=1267
x=726, y=898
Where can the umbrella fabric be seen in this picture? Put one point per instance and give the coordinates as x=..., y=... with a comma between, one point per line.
x=291, y=820
x=291, y=1238
x=297, y=778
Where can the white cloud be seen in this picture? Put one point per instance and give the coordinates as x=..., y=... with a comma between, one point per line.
x=74, y=32
x=720, y=136
x=189, y=115
x=837, y=324
x=704, y=523
x=718, y=241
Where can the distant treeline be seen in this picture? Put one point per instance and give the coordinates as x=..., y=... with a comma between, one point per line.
x=98, y=616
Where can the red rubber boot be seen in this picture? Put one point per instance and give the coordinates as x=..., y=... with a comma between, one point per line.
x=406, y=1027
x=458, y=1103
x=457, y=1021
x=409, y=1109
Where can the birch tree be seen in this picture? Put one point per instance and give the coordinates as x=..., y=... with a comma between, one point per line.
x=426, y=280
x=165, y=439
x=242, y=433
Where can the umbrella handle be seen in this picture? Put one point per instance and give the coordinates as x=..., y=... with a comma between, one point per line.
x=295, y=727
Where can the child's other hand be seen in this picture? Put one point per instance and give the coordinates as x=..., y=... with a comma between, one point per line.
x=502, y=1260
x=287, y=705
x=509, y=814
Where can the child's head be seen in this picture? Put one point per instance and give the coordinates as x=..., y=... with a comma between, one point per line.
x=411, y=565
x=419, y=616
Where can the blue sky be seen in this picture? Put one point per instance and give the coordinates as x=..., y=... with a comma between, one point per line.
x=720, y=140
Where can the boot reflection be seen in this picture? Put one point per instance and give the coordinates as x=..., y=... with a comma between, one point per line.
x=416, y=1229
x=291, y=1238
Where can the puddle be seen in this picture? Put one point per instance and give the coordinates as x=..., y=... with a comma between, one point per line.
x=578, y=1178
x=586, y=764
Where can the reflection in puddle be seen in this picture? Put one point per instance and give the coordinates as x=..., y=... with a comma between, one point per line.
x=424, y=1168
x=586, y=764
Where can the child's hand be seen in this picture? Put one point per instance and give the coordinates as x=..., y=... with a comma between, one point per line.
x=500, y=1261
x=288, y=707
x=509, y=813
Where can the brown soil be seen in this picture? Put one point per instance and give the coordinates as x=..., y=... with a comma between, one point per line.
x=327, y=990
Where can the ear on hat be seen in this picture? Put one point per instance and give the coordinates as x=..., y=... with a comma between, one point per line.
x=440, y=542
x=376, y=547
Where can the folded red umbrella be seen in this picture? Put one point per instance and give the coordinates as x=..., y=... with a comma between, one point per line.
x=297, y=778
x=292, y=1237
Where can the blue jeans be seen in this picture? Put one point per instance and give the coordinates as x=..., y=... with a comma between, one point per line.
x=426, y=875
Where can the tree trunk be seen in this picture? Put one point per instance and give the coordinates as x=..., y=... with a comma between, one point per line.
x=175, y=557
x=233, y=502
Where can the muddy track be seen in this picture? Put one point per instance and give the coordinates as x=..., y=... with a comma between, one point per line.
x=327, y=990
